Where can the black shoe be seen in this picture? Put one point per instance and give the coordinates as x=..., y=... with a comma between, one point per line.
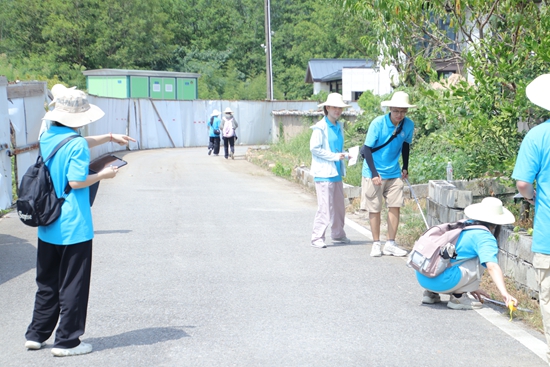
x=209, y=151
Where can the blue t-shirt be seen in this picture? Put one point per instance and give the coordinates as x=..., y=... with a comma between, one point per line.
x=386, y=160
x=533, y=164
x=471, y=243
x=70, y=163
x=215, y=125
x=336, y=144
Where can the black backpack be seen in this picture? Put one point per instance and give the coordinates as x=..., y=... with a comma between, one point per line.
x=38, y=204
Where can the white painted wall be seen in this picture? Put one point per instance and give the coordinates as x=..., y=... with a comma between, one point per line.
x=318, y=86
x=363, y=79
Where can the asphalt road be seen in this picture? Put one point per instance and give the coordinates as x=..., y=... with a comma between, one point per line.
x=202, y=261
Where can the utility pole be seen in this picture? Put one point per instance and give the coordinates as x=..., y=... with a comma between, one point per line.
x=268, y=63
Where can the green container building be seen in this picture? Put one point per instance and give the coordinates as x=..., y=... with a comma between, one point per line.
x=118, y=83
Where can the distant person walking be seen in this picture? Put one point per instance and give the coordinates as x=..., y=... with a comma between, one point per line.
x=214, y=133
x=533, y=165
x=388, y=138
x=64, y=256
x=228, y=127
x=328, y=168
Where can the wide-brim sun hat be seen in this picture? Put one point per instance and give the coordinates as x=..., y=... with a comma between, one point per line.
x=399, y=100
x=334, y=100
x=215, y=113
x=228, y=110
x=537, y=91
x=72, y=109
x=58, y=90
x=490, y=210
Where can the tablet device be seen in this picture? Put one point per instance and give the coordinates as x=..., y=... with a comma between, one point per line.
x=105, y=161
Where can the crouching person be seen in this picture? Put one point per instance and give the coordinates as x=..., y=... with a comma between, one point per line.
x=476, y=249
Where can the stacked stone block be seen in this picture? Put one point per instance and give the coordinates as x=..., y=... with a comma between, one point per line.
x=445, y=202
x=516, y=259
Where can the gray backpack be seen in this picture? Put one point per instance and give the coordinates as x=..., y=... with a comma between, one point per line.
x=433, y=251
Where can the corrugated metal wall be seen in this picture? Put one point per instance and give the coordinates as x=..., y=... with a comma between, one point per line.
x=153, y=123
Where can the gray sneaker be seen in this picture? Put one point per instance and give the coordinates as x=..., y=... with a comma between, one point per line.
x=463, y=303
x=393, y=250
x=430, y=297
x=341, y=240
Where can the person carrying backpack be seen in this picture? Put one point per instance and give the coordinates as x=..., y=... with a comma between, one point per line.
x=214, y=133
x=228, y=127
x=64, y=255
x=476, y=249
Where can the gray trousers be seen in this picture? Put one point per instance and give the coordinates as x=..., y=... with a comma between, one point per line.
x=331, y=210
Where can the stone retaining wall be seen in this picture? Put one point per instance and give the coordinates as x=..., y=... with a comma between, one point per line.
x=446, y=202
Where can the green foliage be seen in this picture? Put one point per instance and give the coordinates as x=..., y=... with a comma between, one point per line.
x=297, y=149
x=280, y=170
x=220, y=40
x=503, y=45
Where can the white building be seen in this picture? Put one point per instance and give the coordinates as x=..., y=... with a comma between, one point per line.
x=350, y=77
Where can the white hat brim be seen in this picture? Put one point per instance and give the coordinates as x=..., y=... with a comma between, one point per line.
x=537, y=91
x=75, y=119
x=397, y=104
x=477, y=212
x=340, y=105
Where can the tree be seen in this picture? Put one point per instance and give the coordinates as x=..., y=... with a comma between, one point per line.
x=500, y=45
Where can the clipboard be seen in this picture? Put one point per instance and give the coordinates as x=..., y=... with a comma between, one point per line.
x=107, y=160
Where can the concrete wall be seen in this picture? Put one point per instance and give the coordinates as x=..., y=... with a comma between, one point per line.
x=288, y=124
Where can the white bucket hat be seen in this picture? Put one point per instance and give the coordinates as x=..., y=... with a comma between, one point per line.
x=227, y=110
x=399, y=99
x=334, y=100
x=490, y=210
x=215, y=113
x=72, y=109
x=537, y=91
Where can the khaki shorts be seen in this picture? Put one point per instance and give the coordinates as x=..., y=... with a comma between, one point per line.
x=372, y=195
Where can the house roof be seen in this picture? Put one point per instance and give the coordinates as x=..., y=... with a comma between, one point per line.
x=326, y=70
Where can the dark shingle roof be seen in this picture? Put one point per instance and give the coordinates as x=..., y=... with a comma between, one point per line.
x=325, y=70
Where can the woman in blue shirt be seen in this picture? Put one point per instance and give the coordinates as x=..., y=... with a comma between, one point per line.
x=214, y=133
x=64, y=255
x=327, y=167
x=476, y=249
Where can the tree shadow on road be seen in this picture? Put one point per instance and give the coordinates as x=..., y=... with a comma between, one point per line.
x=17, y=256
x=147, y=336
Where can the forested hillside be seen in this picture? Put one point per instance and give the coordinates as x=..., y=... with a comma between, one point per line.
x=221, y=39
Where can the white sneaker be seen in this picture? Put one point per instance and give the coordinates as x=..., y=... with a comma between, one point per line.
x=392, y=249
x=82, y=348
x=319, y=244
x=463, y=303
x=376, y=249
x=29, y=344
